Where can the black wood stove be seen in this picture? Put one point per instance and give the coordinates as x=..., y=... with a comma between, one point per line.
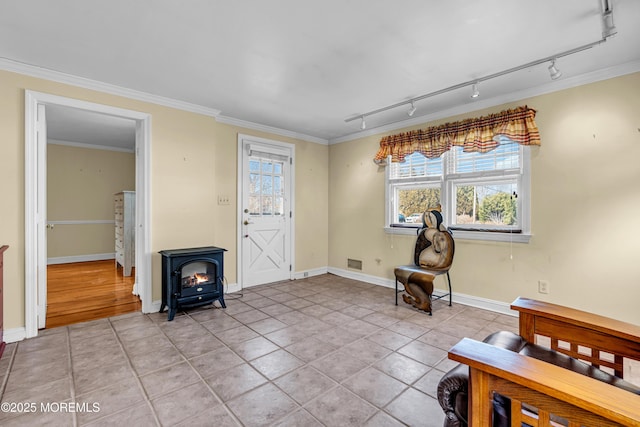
x=192, y=277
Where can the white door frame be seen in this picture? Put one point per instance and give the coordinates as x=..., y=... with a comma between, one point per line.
x=35, y=258
x=242, y=140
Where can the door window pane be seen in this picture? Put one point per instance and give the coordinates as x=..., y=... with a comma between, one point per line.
x=254, y=183
x=278, y=208
x=254, y=205
x=254, y=166
x=266, y=186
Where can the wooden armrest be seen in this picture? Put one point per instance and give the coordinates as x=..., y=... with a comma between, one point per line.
x=576, y=333
x=488, y=362
x=579, y=318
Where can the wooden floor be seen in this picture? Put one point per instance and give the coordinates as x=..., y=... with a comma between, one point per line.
x=83, y=291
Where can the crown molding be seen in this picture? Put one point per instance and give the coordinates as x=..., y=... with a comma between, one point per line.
x=270, y=129
x=552, y=86
x=59, y=77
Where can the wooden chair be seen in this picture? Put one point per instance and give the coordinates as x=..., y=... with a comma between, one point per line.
x=543, y=394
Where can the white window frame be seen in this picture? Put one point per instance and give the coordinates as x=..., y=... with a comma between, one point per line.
x=447, y=182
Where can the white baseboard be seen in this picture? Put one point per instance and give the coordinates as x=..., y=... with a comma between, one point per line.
x=80, y=258
x=298, y=275
x=470, y=300
x=14, y=334
x=230, y=288
x=374, y=280
x=155, y=307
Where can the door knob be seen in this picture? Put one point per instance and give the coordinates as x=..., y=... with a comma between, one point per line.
x=246, y=222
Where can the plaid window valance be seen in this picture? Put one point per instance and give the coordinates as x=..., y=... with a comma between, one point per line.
x=479, y=134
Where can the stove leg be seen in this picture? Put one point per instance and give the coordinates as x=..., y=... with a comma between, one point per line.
x=172, y=313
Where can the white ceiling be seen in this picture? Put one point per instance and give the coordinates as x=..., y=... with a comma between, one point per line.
x=306, y=66
x=65, y=124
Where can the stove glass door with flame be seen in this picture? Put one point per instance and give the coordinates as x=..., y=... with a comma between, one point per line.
x=198, y=277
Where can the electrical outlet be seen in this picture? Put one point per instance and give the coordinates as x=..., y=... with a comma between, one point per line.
x=543, y=286
x=224, y=199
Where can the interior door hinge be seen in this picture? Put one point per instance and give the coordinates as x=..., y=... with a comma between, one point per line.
x=290, y=214
x=290, y=160
x=290, y=267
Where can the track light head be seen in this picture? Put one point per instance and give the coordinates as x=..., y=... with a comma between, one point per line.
x=608, y=28
x=363, y=125
x=412, y=110
x=553, y=71
x=474, y=91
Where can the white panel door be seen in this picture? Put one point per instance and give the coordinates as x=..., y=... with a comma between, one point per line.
x=266, y=214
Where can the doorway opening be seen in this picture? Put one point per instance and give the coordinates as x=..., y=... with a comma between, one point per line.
x=36, y=225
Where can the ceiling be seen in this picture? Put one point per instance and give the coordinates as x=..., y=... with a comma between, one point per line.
x=304, y=67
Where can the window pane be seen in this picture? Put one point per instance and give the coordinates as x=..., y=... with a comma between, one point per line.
x=277, y=185
x=267, y=187
x=254, y=183
x=416, y=165
x=505, y=156
x=278, y=209
x=254, y=165
x=487, y=204
x=254, y=205
x=413, y=202
x=267, y=205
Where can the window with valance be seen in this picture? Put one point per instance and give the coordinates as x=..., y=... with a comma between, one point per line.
x=480, y=134
x=477, y=169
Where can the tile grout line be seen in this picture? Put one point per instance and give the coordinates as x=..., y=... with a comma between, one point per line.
x=135, y=375
x=336, y=383
x=3, y=386
x=220, y=400
x=270, y=381
x=206, y=384
x=72, y=385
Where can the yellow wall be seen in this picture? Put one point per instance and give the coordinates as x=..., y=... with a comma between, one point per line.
x=81, y=183
x=193, y=160
x=585, y=233
x=585, y=199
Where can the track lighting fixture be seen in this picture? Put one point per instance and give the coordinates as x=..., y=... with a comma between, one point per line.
x=412, y=110
x=608, y=30
x=474, y=91
x=553, y=71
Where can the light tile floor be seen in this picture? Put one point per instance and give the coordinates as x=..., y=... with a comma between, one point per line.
x=320, y=351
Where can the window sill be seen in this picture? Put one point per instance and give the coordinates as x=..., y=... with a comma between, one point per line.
x=467, y=235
